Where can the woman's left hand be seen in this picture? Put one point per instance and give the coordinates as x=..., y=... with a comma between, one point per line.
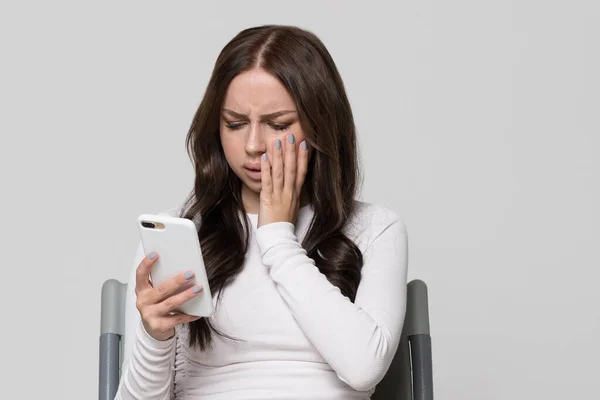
x=282, y=178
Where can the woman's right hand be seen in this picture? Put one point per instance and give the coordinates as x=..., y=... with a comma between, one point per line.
x=156, y=305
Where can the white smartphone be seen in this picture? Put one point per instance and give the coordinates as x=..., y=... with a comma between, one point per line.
x=176, y=242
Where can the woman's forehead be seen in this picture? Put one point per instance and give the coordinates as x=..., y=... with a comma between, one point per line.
x=257, y=92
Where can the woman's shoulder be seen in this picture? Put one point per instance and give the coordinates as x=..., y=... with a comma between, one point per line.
x=374, y=215
x=370, y=220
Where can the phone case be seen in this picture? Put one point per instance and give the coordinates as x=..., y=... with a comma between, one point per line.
x=176, y=242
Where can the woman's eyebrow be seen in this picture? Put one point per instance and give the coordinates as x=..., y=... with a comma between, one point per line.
x=262, y=117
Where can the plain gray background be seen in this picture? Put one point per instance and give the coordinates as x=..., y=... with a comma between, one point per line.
x=478, y=124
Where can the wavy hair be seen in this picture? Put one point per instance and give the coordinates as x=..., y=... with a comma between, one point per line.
x=303, y=65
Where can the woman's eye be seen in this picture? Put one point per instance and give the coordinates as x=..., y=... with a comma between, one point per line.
x=239, y=125
x=279, y=127
x=234, y=126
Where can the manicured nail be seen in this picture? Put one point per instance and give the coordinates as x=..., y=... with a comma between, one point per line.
x=152, y=255
x=291, y=138
x=304, y=145
x=188, y=275
x=265, y=159
x=197, y=289
x=278, y=144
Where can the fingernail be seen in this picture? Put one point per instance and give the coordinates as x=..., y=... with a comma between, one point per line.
x=291, y=138
x=304, y=145
x=197, y=289
x=278, y=144
x=188, y=275
x=152, y=255
x=265, y=159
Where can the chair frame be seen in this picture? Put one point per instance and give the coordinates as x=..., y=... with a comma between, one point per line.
x=410, y=376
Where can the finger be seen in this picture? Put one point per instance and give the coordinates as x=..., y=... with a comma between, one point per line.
x=173, y=302
x=167, y=323
x=180, y=318
x=169, y=287
x=142, y=272
x=289, y=165
x=302, y=165
x=265, y=175
x=277, y=167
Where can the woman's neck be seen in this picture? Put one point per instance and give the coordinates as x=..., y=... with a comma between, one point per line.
x=251, y=200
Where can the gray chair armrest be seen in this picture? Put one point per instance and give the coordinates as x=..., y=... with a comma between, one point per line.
x=112, y=328
x=417, y=330
x=410, y=374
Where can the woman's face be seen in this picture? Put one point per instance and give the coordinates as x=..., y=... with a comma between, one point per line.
x=256, y=112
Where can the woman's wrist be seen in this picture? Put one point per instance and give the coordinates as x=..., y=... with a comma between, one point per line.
x=156, y=340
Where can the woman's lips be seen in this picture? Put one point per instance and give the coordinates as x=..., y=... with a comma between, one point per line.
x=252, y=173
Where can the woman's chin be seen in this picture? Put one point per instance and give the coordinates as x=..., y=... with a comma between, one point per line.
x=253, y=186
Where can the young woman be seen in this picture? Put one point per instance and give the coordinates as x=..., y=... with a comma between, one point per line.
x=309, y=284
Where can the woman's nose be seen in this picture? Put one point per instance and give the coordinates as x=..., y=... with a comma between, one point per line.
x=255, y=142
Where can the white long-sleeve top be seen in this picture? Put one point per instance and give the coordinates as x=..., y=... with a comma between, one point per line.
x=297, y=336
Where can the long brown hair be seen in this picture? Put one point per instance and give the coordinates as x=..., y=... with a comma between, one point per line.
x=301, y=62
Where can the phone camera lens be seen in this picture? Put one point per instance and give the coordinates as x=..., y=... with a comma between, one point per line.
x=148, y=224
